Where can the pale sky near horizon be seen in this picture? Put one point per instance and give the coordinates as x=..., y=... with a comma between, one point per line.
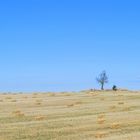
x=62, y=45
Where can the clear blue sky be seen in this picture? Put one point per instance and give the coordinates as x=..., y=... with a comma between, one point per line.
x=58, y=45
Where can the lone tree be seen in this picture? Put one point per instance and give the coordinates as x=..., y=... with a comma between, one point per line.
x=102, y=79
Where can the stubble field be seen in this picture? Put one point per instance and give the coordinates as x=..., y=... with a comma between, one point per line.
x=87, y=115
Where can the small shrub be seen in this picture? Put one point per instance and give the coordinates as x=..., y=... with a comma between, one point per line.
x=114, y=88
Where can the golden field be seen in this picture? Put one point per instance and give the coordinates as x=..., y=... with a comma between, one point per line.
x=87, y=115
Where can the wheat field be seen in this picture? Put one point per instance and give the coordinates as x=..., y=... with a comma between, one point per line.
x=87, y=115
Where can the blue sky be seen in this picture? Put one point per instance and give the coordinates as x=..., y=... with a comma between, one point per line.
x=62, y=45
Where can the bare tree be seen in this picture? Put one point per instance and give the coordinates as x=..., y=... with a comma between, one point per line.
x=102, y=79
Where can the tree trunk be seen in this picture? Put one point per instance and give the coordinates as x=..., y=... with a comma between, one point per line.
x=102, y=86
